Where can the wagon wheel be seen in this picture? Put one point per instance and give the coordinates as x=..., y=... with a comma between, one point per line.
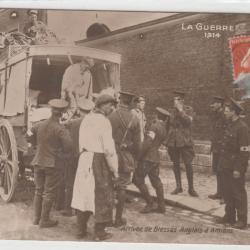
x=8, y=161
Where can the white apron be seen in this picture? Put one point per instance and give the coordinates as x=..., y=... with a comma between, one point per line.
x=84, y=186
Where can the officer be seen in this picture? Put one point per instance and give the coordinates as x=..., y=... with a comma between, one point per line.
x=85, y=106
x=149, y=162
x=126, y=134
x=218, y=127
x=53, y=143
x=233, y=165
x=180, y=143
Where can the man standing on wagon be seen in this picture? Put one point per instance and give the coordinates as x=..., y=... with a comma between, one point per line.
x=53, y=142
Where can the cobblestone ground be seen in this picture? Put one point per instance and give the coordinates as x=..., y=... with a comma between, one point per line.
x=204, y=183
x=176, y=226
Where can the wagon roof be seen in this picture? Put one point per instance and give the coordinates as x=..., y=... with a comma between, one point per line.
x=60, y=50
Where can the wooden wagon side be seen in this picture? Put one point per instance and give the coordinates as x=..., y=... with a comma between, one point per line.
x=15, y=103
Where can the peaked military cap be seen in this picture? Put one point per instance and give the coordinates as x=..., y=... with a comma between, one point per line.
x=219, y=98
x=126, y=94
x=104, y=99
x=58, y=103
x=139, y=98
x=162, y=111
x=179, y=93
x=236, y=105
x=85, y=104
x=29, y=12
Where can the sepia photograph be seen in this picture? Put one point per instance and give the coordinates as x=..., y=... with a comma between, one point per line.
x=124, y=126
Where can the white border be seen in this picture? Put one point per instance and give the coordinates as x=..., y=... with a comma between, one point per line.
x=230, y=6
x=224, y=6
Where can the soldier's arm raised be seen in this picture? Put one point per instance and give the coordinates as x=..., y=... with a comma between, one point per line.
x=184, y=117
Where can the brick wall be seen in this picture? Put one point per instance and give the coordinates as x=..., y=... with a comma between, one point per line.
x=161, y=58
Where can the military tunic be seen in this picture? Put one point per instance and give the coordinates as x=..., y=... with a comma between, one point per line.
x=53, y=144
x=120, y=120
x=179, y=140
x=234, y=157
x=149, y=155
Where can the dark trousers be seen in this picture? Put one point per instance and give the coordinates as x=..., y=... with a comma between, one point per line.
x=215, y=166
x=235, y=196
x=47, y=180
x=152, y=170
x=187, y=155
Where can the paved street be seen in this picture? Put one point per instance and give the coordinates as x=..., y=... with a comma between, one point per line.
x=205, y=184
x=176, y=226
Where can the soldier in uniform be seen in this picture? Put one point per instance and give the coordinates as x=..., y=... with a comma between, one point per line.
x=139, y=112
x=53, y=142
x=126, y=134
x=218, y=127
x=180, y=143
x=233, y=165
x=85, y=106
x=149, y=162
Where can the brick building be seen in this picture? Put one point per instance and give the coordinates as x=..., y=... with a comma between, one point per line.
x=14, y=19
x=162, y=55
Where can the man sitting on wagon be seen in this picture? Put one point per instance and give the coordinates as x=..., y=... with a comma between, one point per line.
x=37, y=30
x=77, y=83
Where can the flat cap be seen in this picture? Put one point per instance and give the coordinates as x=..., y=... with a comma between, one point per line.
x=218, y=98
x=85, y=104
x=29, y=12
x=58, y=103
x=162, y=111
x=179, y=93
x=105, y=98
x=236, y=105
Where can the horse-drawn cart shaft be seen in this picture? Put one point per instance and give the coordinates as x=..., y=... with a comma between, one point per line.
x=29, y=77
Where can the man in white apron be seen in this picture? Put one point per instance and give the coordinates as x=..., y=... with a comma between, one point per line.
x=98, y=165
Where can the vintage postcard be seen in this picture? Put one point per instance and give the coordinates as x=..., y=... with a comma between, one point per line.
x=129, y=127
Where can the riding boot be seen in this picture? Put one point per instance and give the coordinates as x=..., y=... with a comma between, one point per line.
x=37, y=209
x=45, y=220
x=119, y=221
x=67, y=211
x=177, y=174
x=160, y=199
x=189, y=173
x=150, y=203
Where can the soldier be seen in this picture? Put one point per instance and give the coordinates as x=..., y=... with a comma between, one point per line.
x=218, y=127
x=180, y=143
x=149, y=162
x=98, y=164
x=53, y=141
x=126, y=134
x=139, y=112
x=85, y=106
x=233, y=165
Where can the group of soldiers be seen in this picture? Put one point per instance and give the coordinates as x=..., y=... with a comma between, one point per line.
x=112, y=145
